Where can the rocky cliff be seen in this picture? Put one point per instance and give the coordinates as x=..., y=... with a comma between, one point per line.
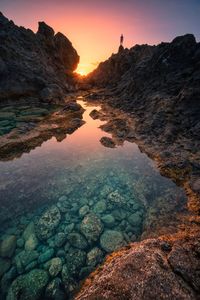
x=35, y=64
x=159, y=83
x=159, y=88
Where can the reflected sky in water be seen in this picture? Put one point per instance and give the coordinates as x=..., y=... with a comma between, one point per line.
x=43, y=175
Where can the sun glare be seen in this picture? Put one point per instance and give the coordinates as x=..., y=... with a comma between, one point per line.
x=81, y=72
x=84, y=68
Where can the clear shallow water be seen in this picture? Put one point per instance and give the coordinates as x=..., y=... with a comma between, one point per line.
x=76, y=201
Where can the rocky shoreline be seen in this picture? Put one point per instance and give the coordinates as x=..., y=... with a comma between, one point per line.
x=150, y=95
x=121, y=126
x=44, y=254
x=158, y=89
x=27, y=125
x=164, y=268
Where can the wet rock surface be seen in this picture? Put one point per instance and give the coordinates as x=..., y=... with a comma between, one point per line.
x=35, y=64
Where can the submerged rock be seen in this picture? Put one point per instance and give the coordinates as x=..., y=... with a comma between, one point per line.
x=119, y=214
x=31, y=243
x=47, y=223
x=63, y=198
x=6, y=281
x=20, y=243
x=60, y=239
x=100, y=207
x=94, y=257
x=34, y=111
x=106, y=189
x=53, y=290
x=108, y=220
x=77, y=240
x=84, y=210
x=69, y=228
x=24, y=258
x=6, y=116
x=75, y=260
x=135, y=219
x=7, y=246
x=117, y=199
x=4, y=265
x=111, y=240
x=31, y=266
x=48, y=254
x=55, y=266
x=29, y=286
x=65, y=274
x=91, y=227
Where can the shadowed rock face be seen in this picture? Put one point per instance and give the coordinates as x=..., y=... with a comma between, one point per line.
x=111, y=72
x=30, y=63
x=158, y=87
x=159, y=84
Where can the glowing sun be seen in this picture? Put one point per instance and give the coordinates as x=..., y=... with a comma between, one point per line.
x=85, y=68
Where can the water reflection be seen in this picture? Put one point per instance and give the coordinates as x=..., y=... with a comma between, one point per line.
x=66, y=204
x=23, y=128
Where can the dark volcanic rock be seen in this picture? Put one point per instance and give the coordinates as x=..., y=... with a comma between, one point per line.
x=165, y=268
x=95, y=114
x=31, y=63
x=158, y=86
x=110, y=72
x=107, y=142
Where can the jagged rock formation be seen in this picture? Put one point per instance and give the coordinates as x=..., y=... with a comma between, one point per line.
x=159, y=83
x=158, y=86
x=111, y=72
x=34, y=64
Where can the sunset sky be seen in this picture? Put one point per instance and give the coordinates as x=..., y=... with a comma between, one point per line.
x=94, y=27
